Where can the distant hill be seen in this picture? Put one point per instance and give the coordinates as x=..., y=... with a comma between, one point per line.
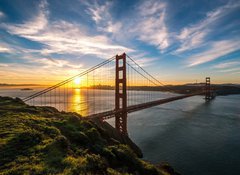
x=192, y=88
x=4, y=84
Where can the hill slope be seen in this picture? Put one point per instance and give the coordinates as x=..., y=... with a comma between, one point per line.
x=42, y=140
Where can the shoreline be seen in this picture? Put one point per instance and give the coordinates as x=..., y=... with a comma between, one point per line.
x=58, y=139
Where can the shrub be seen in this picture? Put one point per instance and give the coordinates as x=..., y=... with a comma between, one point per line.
x=95, y=163
x=94, y=136
x=79, y=137
x=147, y=168
x=56, y=151
x=51, y=131
x=19, y=145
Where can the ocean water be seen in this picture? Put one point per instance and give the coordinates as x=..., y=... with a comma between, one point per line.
x=193, y=136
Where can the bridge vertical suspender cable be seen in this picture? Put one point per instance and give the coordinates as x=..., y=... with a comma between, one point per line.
x=160, y=83
x=133, y=87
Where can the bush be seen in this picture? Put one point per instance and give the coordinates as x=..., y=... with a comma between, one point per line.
x=80, y=138
x=94, y=136
x=95, y=163
x=19, y=145
x=51, y=131
x=56, y=151
x=147, y=168
x=109, y=154
x=124, y=154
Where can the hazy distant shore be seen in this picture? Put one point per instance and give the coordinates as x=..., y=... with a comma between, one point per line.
x=220, y=89
x=4, y=85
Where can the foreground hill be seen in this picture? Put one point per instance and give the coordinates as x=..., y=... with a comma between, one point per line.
x=42, y=140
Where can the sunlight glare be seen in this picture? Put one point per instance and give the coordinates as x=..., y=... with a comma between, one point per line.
x=77, y=80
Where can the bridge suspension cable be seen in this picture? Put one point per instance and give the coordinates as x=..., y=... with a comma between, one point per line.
x=68, y=80
x=92, y=96
x=141, y=74
x=160, y=83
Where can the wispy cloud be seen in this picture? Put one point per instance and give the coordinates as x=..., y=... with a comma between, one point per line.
x=63, y=37
x=214, y=51
x=234, y=73
x=143, y=59
x=194, y=36
x=230, y=70
x=2, y=15
x=34, y=26
x=100, y=13
x=5, y=48
x=226, y=64
x=61, y=63
x=151, y=27
x=3, y=65
x=191, y=40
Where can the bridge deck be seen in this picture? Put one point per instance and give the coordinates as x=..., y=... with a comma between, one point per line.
x=134, y=108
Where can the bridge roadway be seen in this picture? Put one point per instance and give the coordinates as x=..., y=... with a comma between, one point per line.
x=134, y=108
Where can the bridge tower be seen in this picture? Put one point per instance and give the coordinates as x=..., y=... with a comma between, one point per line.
x=208, y=90
x=121, y=94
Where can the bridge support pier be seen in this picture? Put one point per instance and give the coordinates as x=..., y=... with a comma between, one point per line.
x=121, y=94
x=208, y=90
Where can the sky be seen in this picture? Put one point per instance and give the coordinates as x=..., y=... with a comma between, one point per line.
x=177, y=41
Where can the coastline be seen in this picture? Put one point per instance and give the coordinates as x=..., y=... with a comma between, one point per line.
x=54, y=138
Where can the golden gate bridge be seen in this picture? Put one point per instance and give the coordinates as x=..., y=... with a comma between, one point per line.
x=132, y=87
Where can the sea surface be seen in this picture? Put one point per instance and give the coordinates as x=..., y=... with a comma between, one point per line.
x=193, y=136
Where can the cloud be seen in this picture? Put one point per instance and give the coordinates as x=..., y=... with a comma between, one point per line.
x=151, y=26
x=99, y=13
x=226, y=64
x=63, y=37
x=236, y=73
x=33, y=26
x=190, y=39
x=194, y=36
x=5, y=48
x=214, y=51
x=142, y=59
x=2, y=15
x=147, y=25
x=3, y=65
x=61, y=63
x=231, y=70
x=102, y=17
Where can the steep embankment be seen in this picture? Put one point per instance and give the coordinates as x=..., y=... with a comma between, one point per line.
x=42, y=140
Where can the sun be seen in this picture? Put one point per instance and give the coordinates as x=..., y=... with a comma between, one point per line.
x=77, y=80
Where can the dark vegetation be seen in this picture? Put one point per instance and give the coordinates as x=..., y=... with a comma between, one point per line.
x=42, y=140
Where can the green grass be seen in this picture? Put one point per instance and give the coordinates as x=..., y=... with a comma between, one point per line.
x=42, y=140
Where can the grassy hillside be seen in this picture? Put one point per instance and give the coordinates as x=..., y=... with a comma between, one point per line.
x=42, y=140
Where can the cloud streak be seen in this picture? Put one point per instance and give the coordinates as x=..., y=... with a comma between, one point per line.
x=5, y=49
x=33, y=26
x=63, y=37
x=2, y=15
x=194, y=36
x=216, y=50
x=231, y=70
x=226, y=64
x=151, y=27
x=102, y=17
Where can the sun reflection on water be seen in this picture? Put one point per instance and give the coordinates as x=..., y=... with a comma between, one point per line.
x=79, y=103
